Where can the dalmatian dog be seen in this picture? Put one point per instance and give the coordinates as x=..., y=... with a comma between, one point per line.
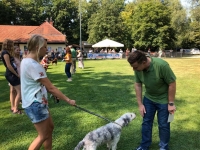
x=109, y=134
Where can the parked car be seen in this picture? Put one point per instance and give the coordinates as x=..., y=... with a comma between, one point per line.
x=191, y=51
x=186, y=51
x=195, y=51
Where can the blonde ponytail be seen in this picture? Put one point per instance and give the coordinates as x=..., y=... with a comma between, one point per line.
x=35, y=43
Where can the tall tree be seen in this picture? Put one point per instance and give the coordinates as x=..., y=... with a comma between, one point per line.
x=151, y=26
x=10, y=12
x=179, y=21
x=22, y=12
x=88, y=7
x=195, y=25
x=106, y=22
x=5, y=13
x=126, y=16
x=65, y=18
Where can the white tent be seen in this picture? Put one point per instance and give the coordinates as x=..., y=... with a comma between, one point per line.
x=108, y=43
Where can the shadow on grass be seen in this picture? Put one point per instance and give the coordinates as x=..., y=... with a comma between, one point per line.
x=96, y=92
x=104, y=93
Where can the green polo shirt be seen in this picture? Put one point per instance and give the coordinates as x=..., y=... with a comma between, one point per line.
x=73, y=51
x=156, y=80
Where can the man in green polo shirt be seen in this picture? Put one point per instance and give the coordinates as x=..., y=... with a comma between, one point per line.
x=160, y=88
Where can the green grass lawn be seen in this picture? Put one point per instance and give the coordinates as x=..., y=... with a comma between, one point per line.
x=105, y=87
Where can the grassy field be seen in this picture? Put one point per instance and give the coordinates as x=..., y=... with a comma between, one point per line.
x=106, y=88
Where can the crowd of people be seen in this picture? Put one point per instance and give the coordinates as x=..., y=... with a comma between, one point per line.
x=109, y=50
x=29, y=82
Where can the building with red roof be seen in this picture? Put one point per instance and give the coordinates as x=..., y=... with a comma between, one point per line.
x=21, y=34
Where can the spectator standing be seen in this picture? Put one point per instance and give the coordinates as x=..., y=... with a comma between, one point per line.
x=68, y=60
x=90, y=50
x=17, y=58
x=160, y=85
x=44, y=62
x=127, y=53
x=57, y=54
x=34, y=94
x=21, y=54
x=17, y=61
x=11, y=74
x=73, y=53
x=121, y=53
x=52, y=55
x=96, y=50
x=101, y=51
x=171, y=53
x=160, y=53
x=80, y=59
x=149, y=52
x=63, y=53
x=25, y=53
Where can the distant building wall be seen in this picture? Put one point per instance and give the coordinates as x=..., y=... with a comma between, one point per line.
x=50, y=47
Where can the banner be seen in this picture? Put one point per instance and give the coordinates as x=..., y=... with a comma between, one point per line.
x=103, y=55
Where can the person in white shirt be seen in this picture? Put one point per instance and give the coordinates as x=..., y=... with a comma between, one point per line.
x=160, y=53
x=34, y=82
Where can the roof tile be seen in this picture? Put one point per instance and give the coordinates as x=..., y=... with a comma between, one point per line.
x=21, y=34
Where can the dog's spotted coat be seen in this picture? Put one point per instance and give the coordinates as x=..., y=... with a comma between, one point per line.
x=110, y=134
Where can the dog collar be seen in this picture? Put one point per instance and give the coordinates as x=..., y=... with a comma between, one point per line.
x=117, y=124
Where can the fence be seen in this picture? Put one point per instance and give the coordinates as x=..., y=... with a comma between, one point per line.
x=104, y=55
x=169, y=54
x=166, y=54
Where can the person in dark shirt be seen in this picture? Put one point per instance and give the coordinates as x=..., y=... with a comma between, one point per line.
x=11, y=73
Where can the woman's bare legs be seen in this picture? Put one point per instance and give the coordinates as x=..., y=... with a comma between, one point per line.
x=17, y=97
x=12, y=97
x=44, y=129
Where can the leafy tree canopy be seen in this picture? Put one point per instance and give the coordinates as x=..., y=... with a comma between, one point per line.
x=106, y=22
x=151, y=26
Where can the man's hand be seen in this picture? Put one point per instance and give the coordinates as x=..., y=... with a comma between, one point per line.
x=171, y=109
x=142, y=110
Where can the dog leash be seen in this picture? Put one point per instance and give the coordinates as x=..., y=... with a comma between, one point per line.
x=96, y=115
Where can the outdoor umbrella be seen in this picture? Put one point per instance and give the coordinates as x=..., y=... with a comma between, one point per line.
x=108, y=43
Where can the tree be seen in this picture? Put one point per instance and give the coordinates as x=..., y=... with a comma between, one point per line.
x=193, y=34
x=5, y=13
x=65, y=17
x=126, y=16
x=179, y=21
x=22, y=12
x=87, y=9
x=34, y=12
x=10, y=12
x=106, y=22
x=151, y=26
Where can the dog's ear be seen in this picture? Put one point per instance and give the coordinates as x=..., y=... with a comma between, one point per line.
x=126, y=120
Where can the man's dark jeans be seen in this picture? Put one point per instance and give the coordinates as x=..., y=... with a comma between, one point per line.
x=164, y=127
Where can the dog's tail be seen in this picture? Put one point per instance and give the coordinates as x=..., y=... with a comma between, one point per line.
x=80, y=145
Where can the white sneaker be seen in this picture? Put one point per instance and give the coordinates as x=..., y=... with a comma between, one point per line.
x=69, y=80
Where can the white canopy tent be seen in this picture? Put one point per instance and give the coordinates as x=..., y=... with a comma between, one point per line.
x=108, y=43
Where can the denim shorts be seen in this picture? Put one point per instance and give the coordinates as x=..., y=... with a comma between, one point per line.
x=37, y=112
